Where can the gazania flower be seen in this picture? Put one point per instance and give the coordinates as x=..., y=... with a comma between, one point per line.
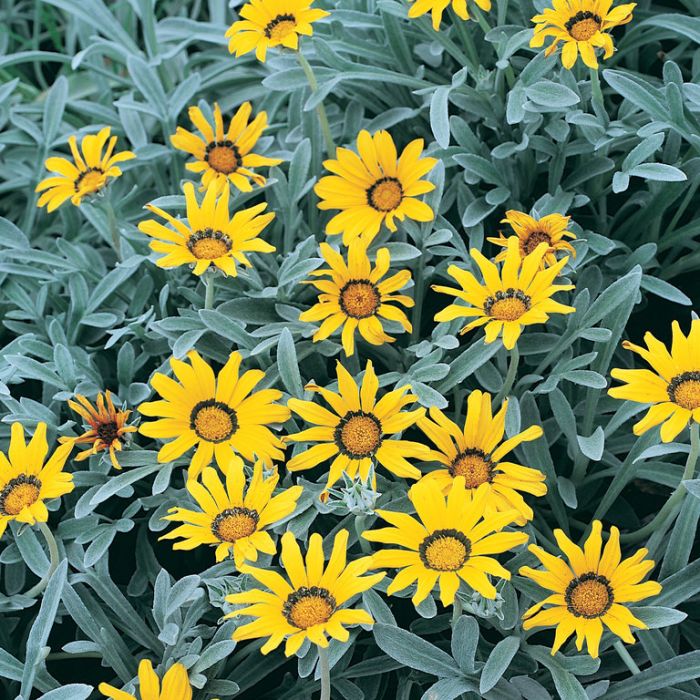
x=673, y=388
x=269, y=23
x=224, y=157
x=451, y=541
x=233, y=521
x=355, y=298
x=219, y=414
x=176, y=685
x=589, y=591
x=355, y=434
x=308, y=604
x=375, y=187
x=518, y=295
x=87, y=174
x=550, y=229
x=28, y=479
x=437, y=7
x=474, y=453
x=107, y=427
x=583, y=26
x=211, y=236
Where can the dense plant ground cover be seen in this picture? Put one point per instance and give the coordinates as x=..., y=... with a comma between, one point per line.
x=110, y=296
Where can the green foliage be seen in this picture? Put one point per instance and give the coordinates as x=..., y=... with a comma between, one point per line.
x=512, y=129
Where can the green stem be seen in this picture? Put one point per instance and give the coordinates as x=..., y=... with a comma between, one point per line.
x=325, y=670
x=673, y=505
x=625, y=656
x=597, y=96
x=510, y=376
x=209, y=291
x=481, y=19
x=320, y=109
x=53, y=562
x=467, y=42
x=418, y=293
x=113, y=228
x=360, y=527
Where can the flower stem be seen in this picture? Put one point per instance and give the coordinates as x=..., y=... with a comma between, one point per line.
x=456, y=611
x=320, y=109
x=510, y=376
x=625, y=656
x=325, y=670
x=673, y=505
x=53, y=562
x=209, y=291
x=483, y=23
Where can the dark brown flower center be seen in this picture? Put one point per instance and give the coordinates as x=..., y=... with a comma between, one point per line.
x=223, y=156
x=684, y=390
x=18, y=493
x=213, y=421
x=359, y=298
x=208, y=244
x=385, y=194
x=529, y=245
x=507, y=306
x=279, y=27
x=306, y=607
x=234, y=523
x=359, y=434
x=583, y=25
x=445, y=550
x=589, y=596
x=474, y=465
x=108, y=432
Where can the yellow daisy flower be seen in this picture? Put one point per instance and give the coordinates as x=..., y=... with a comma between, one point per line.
x=550, y=229
x=211, y=236
x=356, y=433
x=437, y=7
x=516, y=296
x=583, y=26
x=225, y=157
x=269, y=23
x=27, y=478
x=673, y=387
x=176, y=685
x=475, y=453
x=375, y=187
x=355, y=298
x=107, y=427
x=308, y=603
x=219, y=414
x=87, y=174
x=588, y=591
x=451, y=541
x=236, y=522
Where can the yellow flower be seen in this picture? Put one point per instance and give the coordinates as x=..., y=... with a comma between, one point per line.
x=176, y=685
x=87, y=174
x=218, y=414
x=107, y=427
x=437, y=7
x=211, y=236
x=375, y=187
x=550, y=229
x=269, y=23
x=355, y=298
x=356, y=433
x=235, y=522
x=588, y=592
x=224, y=157
x=516, y=296
x=27, y=479
x=673, y=387
x=451, y=541
x=308, y=603
x=583, y=26
x=475, y=453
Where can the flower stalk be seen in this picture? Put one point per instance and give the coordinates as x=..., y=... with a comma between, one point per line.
x=320, y=109
x=511, y=374
x=325, y=671
x=39, y=588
